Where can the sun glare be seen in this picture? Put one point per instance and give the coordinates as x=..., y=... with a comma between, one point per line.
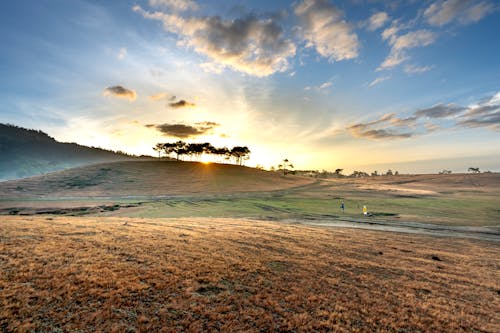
x=205, y=159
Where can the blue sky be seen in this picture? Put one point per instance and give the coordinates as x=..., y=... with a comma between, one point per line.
x=358, y=84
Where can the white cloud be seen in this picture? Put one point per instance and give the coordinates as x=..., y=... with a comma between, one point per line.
x=250, y=45
x=122, y=53
x=322, y=86
x=324, y=28
x=178, y=5
x=325, y=85
x=391, y=31
x=378, y=80
x=377, y=20
x=399, y=45
x=463, y=11
x=414, y=69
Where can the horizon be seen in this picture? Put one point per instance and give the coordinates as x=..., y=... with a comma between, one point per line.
x=358, y=85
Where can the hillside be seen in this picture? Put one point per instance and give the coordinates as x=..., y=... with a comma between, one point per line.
x=148, y=178
x=26, y=152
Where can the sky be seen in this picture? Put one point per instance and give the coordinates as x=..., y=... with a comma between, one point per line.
x=364, y=85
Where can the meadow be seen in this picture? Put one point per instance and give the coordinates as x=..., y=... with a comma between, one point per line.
x=87, y=274
x=169, y=246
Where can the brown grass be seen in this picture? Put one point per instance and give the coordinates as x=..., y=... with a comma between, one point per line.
x=122, y=274
x=148, y=178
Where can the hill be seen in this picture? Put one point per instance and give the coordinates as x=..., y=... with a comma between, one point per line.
x=148, y=178
x=27, y=152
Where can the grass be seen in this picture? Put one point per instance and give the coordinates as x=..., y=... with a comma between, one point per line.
x=473, y=211
x=91, y=274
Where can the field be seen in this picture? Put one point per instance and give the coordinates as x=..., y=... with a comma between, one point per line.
x=125, y=275
x=169, y=246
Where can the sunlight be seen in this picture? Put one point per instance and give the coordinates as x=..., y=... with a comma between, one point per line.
x=205, y=159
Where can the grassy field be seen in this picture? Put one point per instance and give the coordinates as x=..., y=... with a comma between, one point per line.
x=88, y=274
x=177, y=189
x=171, y=246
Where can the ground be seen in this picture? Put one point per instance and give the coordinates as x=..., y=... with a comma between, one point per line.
x=171, y=246
x=129, y=274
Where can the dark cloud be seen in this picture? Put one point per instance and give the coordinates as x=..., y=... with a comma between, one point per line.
x=485, y=113
x=487, y=116
x=372, y=130
x=120, y=92
x=250, y=44
x=181, y=104
x=364, y=131
x=183, y=131
x=440, y=111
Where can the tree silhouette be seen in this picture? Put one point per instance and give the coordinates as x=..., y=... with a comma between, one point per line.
x=158, y=148
x=474, y=170
x=196, y=150
x=240, y=154
x=286, y=164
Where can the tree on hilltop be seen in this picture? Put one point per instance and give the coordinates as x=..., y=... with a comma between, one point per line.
x=285, y=165
x=474, y=170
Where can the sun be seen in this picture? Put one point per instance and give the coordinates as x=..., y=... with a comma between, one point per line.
x=205, y=159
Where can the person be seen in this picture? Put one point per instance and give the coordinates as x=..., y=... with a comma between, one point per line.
x=342, y=206
x=365, y=210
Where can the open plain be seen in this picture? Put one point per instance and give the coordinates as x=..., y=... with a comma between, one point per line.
x=172, y=246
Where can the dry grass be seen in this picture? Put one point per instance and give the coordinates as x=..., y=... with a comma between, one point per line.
x=122, y=274
x=147, y=178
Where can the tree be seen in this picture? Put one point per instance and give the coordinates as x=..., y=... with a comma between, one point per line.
x=283, y=166
x=338, y=172
x=158, y=148
x=389, y=173
x=374, y=173
x=240, y=154
x=474, y=170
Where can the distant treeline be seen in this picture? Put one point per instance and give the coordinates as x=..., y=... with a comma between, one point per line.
x=27, y=152
x=339, y=173
x=195, y=151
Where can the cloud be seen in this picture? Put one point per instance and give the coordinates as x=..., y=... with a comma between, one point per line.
x=414, y=69
x=178, y=5
x=181, y=104
x=322, y=86
x=440, y=111
x=400, y=44
x=208, y=123
x=390, y=32
x=483, y=114
x=325, y=85
x=377, y=21
x=378, y=80
x=463, y=11
x=183, y=131
x=381, y=128
x=323, y=27
x=161, y=96
x=250, y=45
x=120, y=92
x=122, y=53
